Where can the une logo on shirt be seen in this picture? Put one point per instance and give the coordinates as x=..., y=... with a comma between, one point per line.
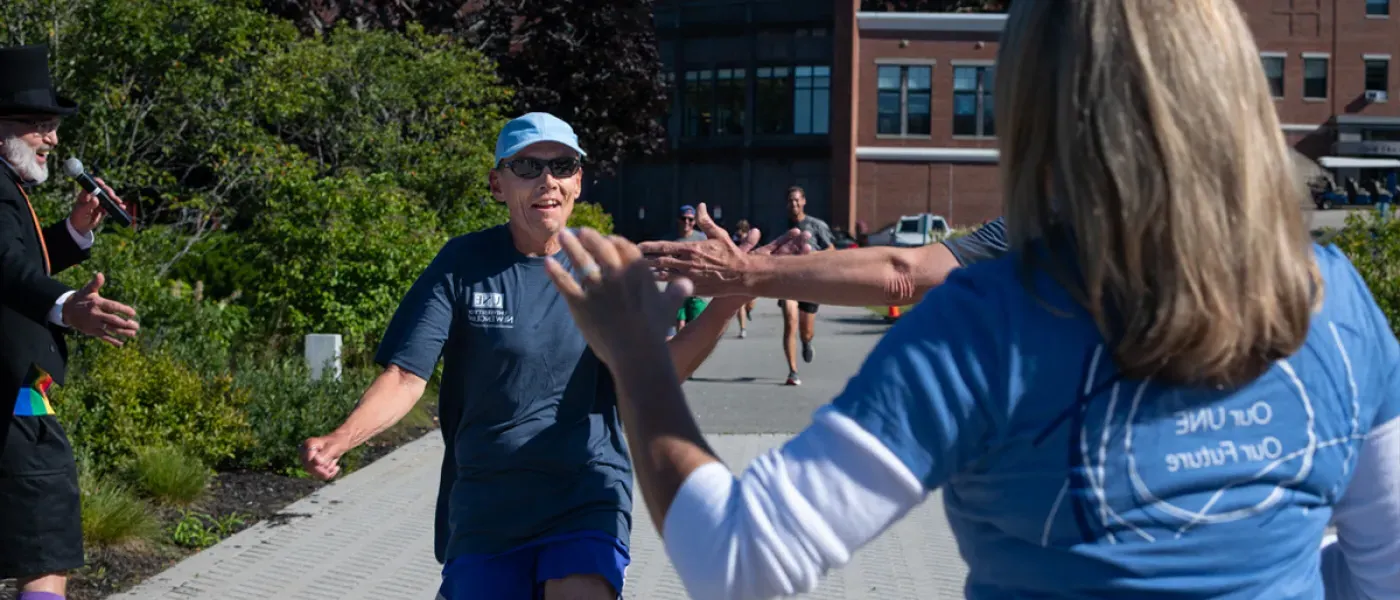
x=488, y=300
x=489, y=310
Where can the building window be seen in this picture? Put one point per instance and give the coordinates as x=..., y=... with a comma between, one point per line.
x=1377, y=74
x=773, y=101
x=1314, y=77
x=729, y=101
x=904, y=100
x=973, y=108
x=1377, y=8
x=699, y=96
x=811, y=102
x=1273, y=70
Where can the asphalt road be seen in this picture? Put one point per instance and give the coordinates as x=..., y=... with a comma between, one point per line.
x=740, y=388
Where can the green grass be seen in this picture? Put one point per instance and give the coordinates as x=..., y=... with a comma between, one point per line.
x=113, y=515
x=168, y=475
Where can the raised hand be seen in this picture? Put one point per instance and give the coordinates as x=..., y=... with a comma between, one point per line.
x=89, y=313
x=87, y=210
x=715, y=266
x=794, y=242
x=615, y=300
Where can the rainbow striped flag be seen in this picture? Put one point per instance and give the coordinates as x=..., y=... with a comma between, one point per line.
x=33, y=400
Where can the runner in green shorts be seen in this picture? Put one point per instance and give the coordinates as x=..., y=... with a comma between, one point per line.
x=688, y=233
x=690, y=310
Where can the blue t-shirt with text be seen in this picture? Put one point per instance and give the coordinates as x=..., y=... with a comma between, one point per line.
x=529, y=416
x=1063, y=479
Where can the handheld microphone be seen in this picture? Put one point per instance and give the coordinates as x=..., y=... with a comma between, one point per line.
x=74, y=168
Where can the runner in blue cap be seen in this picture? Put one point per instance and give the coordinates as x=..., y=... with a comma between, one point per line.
x=536, y=490
x=685, y=225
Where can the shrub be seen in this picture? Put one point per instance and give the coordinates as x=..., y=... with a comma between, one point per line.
x=129, y=398
x=199, y=530
x=588, y=214
x=176, y=316
x=1374, y=247
x=168, y=475
x=112, y=514
x=285, y=407
x=337, y=255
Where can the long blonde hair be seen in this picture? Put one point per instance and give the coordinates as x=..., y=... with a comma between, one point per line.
x=1142, y=134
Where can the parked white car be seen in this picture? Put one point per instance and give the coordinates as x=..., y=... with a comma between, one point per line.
x=912, y=230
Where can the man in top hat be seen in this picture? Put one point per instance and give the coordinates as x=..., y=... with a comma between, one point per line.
x=535, y=499
x=41, y=534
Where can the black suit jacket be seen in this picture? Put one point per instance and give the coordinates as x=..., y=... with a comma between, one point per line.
x=27, y=293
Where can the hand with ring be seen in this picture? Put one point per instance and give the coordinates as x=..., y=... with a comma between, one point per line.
x=619, y=309
x=589, y=273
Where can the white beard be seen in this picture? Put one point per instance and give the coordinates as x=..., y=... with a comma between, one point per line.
x=25, y=160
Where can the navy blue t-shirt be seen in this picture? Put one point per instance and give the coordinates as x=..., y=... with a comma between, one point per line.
x=528, y=412
x=987, y=243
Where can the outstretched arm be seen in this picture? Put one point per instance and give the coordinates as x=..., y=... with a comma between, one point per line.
x=903, y=426
x=694, y=343
x=876, y=275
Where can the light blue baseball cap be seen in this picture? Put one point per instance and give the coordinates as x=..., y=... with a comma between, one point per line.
x=533, y=128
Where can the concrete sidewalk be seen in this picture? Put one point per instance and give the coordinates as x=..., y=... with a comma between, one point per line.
x=369, y=536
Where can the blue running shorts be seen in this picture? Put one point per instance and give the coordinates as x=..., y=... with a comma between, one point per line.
x=520, y=573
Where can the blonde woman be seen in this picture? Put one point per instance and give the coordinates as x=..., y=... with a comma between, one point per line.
x=1164, y=390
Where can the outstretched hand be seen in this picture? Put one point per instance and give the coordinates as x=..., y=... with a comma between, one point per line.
x=615, y=300
x=88, y=312
x=715, y=267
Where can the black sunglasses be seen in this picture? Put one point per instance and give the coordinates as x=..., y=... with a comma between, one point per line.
x=530, y=168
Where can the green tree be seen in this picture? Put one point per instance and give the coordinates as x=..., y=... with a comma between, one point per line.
x=337, y=254
x=414, y=106
x=1374, y=248
x=594, y=64
x=217, y=119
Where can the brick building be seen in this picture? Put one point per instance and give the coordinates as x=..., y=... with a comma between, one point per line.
x=752, y=99
x=879, y=115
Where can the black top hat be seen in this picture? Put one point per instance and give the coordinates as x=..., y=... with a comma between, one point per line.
x=25, y=85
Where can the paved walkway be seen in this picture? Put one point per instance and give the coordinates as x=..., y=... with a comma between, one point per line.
x=369, y=536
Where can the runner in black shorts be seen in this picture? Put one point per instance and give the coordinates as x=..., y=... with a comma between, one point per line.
x=801, y=317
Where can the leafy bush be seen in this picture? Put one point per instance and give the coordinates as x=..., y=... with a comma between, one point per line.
x=112, y=514
x=214, y=117
x=285, y=407
x=199, y=530
x=421, y=109
x=1374, y=247
x=168, y=475
x=129, y=398
x=588, y=214
x=337, y=255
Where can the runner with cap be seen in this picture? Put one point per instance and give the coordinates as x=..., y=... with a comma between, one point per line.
x=535, y=498
x=685, y=224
